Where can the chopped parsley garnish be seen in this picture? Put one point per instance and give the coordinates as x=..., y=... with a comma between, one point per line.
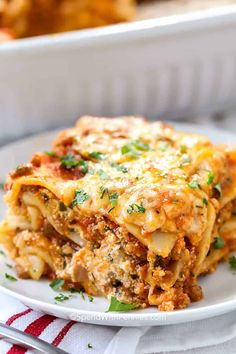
x=134, y=148
x=56, y=284
x=164, y=146
x=90, y=346
x=10, y=277
x=210, y=177
x=103, y=174
x=80, y=291
x=62, y=207
x=84, y=166
x=135, y=208
x=80, y=197
x=97, y=155
x=217, y=187
x=69, y=161
x=110, y=210
x=232, y=262
x=183, y=149
x=218, y=243
x=194, y=185
x=73, y=290
x=139, y=145
x=111, y=196
x=103, y=192
x=9, y=266
x=119, y=167
x=2, y=253
x=116, y=305
x=51, y=153
x=90, y=298
x=61, y=298
x=2, y=184
x=205, y=201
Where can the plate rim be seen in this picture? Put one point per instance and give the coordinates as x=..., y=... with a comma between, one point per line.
x=126, y=319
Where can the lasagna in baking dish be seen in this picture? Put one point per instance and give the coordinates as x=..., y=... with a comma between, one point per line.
x=123, y=208
x=26, y=18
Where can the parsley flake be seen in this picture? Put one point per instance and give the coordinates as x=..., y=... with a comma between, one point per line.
x=69, y=161
x=51, y=153
x=113, y=198
x=90, y=346
x=205, y=201
x=110, y=210
x=135, y=208
x=116, y=305
x=56, y=284
x=103, y=174
x=103, y=192
x=2, y=253
x=194, y=185
x=119, y=167
x=90, y=298
x=210, y=177
x=80, y=197
x=84, y=166
x=218, y=243
x=10, y=277
x=232, y=262
x=97, y=155
x=2, y=184
x=73, y=290
x=134, y=148
x=61, y=298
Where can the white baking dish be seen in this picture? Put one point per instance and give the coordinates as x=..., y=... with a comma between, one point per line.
x=165, y=68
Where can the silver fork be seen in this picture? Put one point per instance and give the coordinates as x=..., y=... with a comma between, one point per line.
x=14, y=336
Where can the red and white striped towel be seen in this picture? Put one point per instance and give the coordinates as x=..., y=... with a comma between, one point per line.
x=212, y=336
x=68, y=335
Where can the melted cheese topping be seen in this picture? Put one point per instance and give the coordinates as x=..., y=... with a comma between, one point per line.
x=140, y=174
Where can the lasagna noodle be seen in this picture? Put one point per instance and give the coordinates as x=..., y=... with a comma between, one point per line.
x=123, y=208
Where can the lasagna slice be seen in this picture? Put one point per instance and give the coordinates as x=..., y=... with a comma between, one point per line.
x=123, y=208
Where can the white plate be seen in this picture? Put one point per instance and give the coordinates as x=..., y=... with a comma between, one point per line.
x=219, y=288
